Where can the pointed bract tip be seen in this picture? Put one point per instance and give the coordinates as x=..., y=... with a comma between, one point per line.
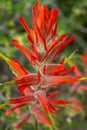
x=73, y=37
x=55, y=11
x=14, y=42
x=8, y=112
x=21, y=19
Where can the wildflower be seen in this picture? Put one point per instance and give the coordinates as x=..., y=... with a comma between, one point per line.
x=44, y=47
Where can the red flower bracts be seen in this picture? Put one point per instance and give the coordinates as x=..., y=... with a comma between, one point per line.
x=44, y=47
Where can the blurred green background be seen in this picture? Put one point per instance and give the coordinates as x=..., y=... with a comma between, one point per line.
x=72, y=19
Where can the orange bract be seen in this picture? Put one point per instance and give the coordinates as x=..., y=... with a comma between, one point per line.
x=44, y=46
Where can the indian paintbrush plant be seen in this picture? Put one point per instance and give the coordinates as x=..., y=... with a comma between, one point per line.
x=44, y=47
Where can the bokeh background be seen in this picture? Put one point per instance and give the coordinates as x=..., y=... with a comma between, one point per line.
x=72, y=19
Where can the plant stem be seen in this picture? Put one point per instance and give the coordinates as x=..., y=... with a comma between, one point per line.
x=36, y=124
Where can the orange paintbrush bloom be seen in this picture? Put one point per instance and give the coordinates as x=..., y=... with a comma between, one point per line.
x=44, y=47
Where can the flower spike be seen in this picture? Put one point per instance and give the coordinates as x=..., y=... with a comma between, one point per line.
x=34, y=88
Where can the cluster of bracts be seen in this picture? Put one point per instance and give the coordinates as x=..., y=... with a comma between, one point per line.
x=44, y=47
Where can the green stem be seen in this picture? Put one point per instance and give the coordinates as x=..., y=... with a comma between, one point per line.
x=36, y=124
x=4, y=104
x=53, y=122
